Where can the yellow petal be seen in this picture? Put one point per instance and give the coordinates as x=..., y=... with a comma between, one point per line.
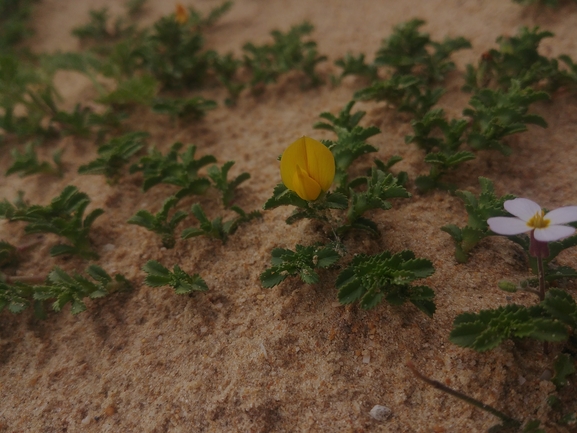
x=320, y=163
x=305, y=186
x=314, y=158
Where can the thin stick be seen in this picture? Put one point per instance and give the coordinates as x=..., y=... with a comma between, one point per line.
x=542, y=293
x=487, y=408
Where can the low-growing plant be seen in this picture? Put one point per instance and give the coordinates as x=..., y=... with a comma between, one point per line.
x=63, y=289
x=174, y=168
x=370, y=279
x=217, y=228
x=496, y=114
x=14, y=26
x=408, y=93
x=114, y=155
x=352, y=65
x=302, y=262
x=64, y=216
x=8, y=254
x=27, y=163
x=185, y=109
x=159, y=223
x=517, y=59
x=479, y=210
x=288, y=52
x=219, y=177
x=180, y=281
x=137, y=90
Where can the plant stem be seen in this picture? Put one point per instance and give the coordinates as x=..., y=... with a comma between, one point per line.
x=487, y=408
x=32, y=279
x=542, y=293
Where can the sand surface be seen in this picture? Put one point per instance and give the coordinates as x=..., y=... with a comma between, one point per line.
x=240, y=358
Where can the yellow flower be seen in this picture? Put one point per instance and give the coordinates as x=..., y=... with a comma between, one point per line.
x=307, y=167
x=181, y=14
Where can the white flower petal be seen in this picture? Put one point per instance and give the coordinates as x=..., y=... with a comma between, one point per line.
x=563, y=215
x=522, y=208
x=508, y=226
x=553, y=233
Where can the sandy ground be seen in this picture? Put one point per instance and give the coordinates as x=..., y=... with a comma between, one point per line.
x=289, y=359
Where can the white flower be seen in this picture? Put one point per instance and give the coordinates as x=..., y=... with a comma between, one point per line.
x=547, y=227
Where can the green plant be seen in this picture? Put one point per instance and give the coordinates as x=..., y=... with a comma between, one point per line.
x=65, y=288
x=64, y=216
x=138, y=90
x=8, y=254
x=443, y=153
x=487, y=329
x=302, y=262
x=186, y=109
x=370, y=279
x=114, y=154
x=516, y=59
x=217, y=228
x=180, y=281
x=352, y=65
x=408, y=93
x=27, y=163
x=158, y=168
x=159, y=223
x=288, y=52
x=496, y=114
x=479, y=209
x=408, y=51
x=219, y=177
x=14, y=15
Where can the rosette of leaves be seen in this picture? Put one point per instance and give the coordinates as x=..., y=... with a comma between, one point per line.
x=15, y=297
x=517, y=59
x=479, y=209
x=159, y=223
x=217, y=228
x=64, y=216
x=408, y=93
x=27, y=163
x=551, y=321
x=183, y=108
x=180, y=281
x=75, y=288
x=409, y=51
x=288, y=52
x=173, y=50
x=443, y=151
x=356, y=65
x=370, y=279
x=302, y=262
x=114, y=155
x=378, y=188
x=219, y=177
x=174, y=169
x=496, y=114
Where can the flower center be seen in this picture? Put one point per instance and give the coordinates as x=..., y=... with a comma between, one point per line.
x=538, y=221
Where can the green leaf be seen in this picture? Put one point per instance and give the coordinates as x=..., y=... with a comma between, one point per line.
x=564, y=367
x=369, y=279
x=302, y=262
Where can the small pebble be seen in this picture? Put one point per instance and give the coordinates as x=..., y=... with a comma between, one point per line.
x=86, y=420
x=380, y=413
x=366, y=359
x=110, y=410
x=109, y=247
x=203, y=329
x=260, y=297
x=521, y=380
x=547, y=375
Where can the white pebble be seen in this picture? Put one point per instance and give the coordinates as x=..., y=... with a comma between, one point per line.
x=86, y=420
x=109, y=247
x=380, y=413
x=366, y=359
